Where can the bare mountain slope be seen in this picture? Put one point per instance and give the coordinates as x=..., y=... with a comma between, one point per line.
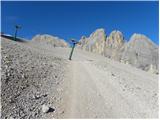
x=140, y=51
x=46, y=39
x=89, y=86
x=30, y=78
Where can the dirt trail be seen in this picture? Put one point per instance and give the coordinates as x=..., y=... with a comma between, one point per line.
x=92, y=86
x=96, y=93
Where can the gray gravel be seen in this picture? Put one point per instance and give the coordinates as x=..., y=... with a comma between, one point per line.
x=94, y=86
x=29, y=80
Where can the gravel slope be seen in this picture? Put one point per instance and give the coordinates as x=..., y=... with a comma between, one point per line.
x=101, y=88
x=89, y=86
x=30, y=78
x=105, y=91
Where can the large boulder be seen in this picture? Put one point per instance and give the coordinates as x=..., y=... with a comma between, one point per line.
x=46, y=39
x=141, y=52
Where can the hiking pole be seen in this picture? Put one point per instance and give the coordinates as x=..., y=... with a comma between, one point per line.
x=74, y=44
x=17, y=27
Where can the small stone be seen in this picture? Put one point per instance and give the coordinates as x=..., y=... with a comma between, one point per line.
x=55, y=98
x=113, y=74
x=11, y=117
x=22, y=75
x=62, y=112
x=45, y=108
x=57, y=83
x=37, y=96
x=11, y=100
x=44, y=95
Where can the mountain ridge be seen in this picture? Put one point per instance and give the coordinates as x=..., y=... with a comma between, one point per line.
x=49, y=40
x=139, y=50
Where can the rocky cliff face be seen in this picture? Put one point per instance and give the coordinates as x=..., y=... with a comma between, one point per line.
x=95, y=42
x=114, y=44
x=49, y=40
x=140, y=51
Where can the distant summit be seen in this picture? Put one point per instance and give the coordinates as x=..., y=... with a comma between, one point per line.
x=114, y=42
x=95, y=42
x=49, y=40
x=139, y=51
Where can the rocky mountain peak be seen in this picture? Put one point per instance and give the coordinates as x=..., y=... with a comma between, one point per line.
x=139, y=51
x=115, y=39
x=50, y=40
x=95, y=42
x=114, y=42
x=140, y=39
x=98, y=32
x=83, y=37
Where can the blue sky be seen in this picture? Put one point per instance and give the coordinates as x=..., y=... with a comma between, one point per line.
x=74, y=19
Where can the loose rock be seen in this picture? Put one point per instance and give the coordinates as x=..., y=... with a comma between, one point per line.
x=45, y=108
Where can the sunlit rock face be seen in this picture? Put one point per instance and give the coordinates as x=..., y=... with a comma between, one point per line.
x=49, y=40
x=141, y=52
x=95, y=42
x=114, y=44
x=83, y=43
